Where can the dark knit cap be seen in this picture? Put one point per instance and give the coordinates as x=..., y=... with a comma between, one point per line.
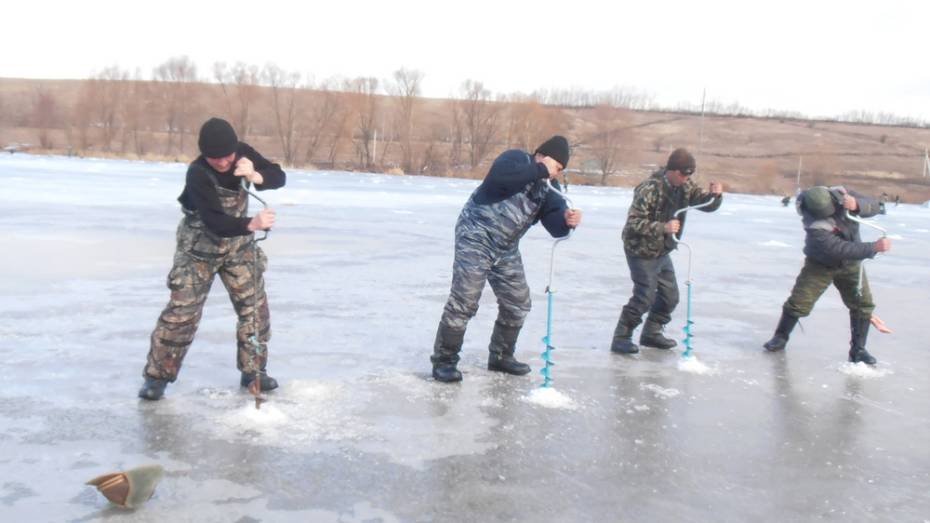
x=555, y=148
x=682, y=161
x=217, y=138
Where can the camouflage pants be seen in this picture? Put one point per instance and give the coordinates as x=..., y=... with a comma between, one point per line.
x=814, y=280
x=189, y=281
x=476, y=263
x=655, y=290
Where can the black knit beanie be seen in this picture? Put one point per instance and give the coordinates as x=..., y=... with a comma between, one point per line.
x=555, y=148
x=217, y=138
x=682, y=161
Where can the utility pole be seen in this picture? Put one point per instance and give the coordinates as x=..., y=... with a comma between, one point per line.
x=926, y=162
x=797, y=181
x=374, y=149
x=701, y=136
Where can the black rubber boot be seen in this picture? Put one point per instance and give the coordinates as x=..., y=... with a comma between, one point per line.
x=266, y=382
x=623, y=339
x=446, y=354
x=780, y=339
x=652, y=336
x=153, y=389
x=859, y=327
x=503, y=345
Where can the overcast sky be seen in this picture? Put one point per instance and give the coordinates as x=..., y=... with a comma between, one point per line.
x=822, y=58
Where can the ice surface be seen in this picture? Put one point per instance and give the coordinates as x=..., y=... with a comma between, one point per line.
x=359, y=269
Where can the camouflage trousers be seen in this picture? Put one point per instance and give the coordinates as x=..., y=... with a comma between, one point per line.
x=655, y=290
x=814, y=280
x=474, y=264
x=189, y=281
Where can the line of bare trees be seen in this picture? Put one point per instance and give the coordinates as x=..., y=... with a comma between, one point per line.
x=357, y=123
x=362, y=123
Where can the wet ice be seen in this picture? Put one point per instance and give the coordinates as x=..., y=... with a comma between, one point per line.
x=359, y=270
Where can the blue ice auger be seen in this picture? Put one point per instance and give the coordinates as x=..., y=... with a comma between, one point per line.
x=255, y=388
x=546, y=355
x=689, y=323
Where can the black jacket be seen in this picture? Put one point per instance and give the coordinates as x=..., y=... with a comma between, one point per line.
x=199, y=192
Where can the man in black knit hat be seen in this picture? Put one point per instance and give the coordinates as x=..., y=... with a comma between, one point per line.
x=513, y=196
x=215, y=237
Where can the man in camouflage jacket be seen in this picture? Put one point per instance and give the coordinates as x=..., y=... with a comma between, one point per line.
x=513, y=196
x=647, y=242
x=833, y=253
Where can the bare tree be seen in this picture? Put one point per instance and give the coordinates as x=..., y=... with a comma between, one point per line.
x=365, y=106
x=174, y=81
x=323, y=112
x=44, y=111
x=529, y=122
x=480, y=118
x=456, y=133
x=284, y=105
x=406, y=89
x=341, y=129
x=241, y=86
x=609, y=134
x=110, y=86
x=82, y=116
x=137, y=115
x=430, y=158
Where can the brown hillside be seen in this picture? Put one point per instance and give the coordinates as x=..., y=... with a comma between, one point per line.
x=355, y=129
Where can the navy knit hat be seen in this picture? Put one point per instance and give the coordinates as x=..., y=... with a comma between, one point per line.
x=555, y=148
x=682, y=161
x=217, y=138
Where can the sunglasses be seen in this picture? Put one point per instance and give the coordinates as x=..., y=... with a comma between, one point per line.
x=687, y=172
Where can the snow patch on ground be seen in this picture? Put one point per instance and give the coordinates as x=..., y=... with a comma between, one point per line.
x=693, y=365
x=300, y=413
x=550, y=398
x=861, y=370
x=249, y=416
x=659, y=391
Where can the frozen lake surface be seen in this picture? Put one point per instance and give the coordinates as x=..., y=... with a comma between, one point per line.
x=360, y=267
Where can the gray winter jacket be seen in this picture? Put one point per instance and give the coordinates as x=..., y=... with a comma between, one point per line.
x=835, y=240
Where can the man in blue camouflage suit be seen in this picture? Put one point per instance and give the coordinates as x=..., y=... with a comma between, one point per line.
x=647, y=242
x=513, y=196
x=833, y=253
